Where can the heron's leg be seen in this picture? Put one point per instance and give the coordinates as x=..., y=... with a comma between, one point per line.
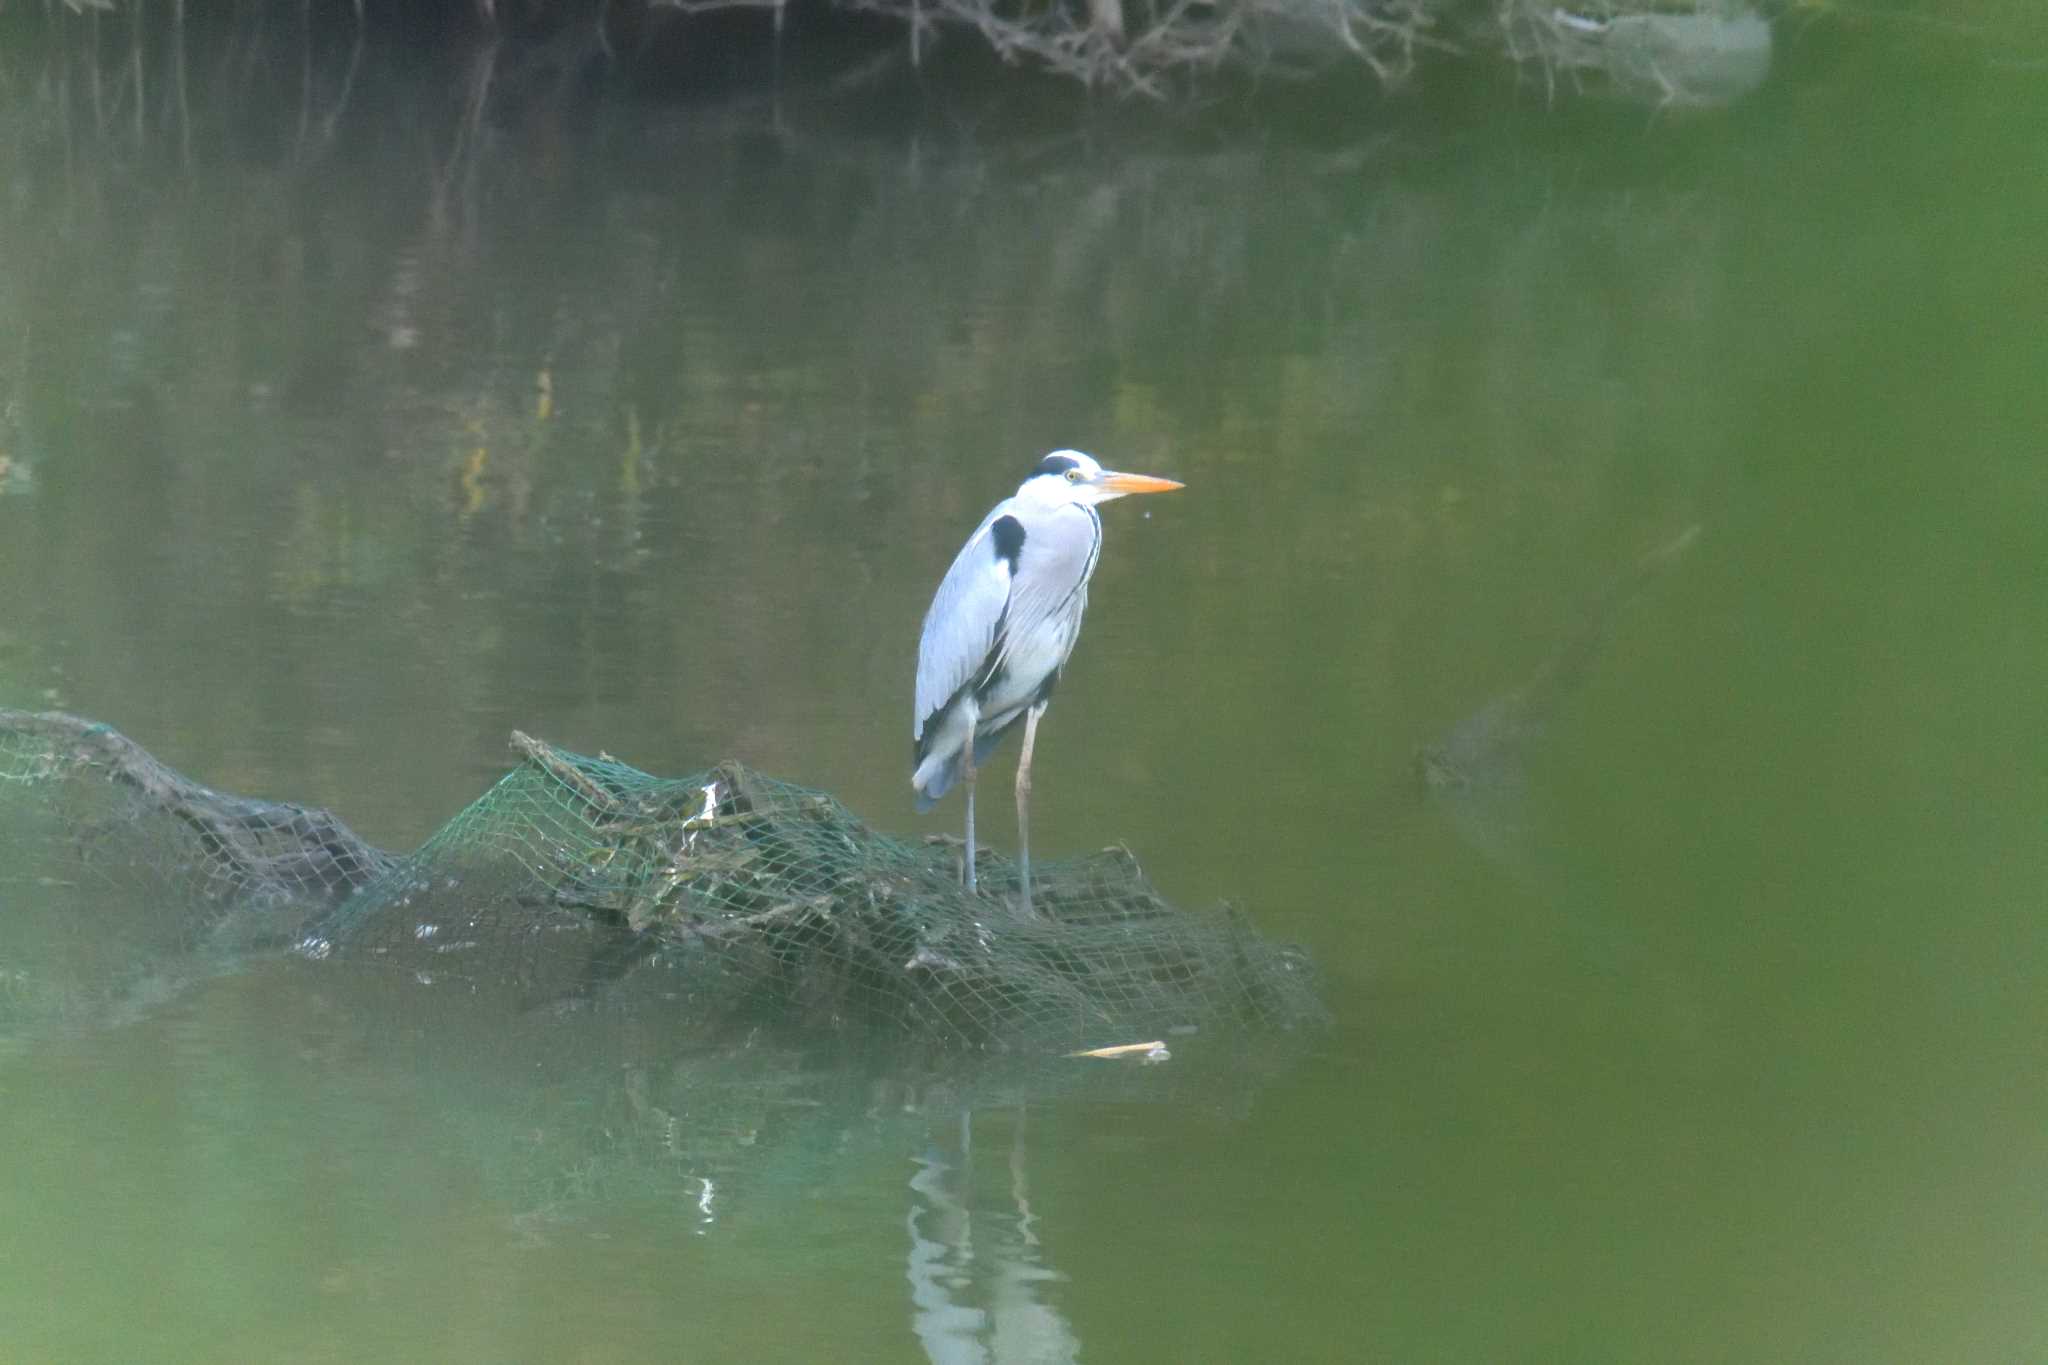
x=967, y=771
x=1024, y=807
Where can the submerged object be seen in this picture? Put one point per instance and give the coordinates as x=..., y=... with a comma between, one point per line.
x=1478, y=772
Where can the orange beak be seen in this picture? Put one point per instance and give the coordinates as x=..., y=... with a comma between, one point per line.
x=1138, y=483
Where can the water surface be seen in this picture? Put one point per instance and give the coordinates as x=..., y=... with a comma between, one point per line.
x=651, y=431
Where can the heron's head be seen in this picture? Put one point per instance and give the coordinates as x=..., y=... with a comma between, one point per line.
x=1068, y=476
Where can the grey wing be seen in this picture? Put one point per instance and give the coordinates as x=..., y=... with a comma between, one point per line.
x=963, y=624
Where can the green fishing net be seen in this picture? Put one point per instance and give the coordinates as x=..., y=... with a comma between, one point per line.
x=121, y=881
x=740, y=902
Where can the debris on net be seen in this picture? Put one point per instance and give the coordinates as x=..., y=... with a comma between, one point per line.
x=750, y=902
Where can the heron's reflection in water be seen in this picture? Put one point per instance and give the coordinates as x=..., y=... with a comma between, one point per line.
x=979, y=1298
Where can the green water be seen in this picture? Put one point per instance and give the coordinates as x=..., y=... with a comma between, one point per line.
x=1711, y=1028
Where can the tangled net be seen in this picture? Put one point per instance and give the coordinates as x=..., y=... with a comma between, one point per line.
x=749, y=902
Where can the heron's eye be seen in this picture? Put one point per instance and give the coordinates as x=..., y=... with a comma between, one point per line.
x=1073, y=476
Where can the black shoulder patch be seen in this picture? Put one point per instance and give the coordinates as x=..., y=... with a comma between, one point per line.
x=1055, y=464
x=1008, y=535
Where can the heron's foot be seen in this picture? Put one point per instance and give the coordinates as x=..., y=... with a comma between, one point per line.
x=961, y=868
x=956, y=843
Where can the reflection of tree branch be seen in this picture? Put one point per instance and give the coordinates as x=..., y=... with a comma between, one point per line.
x=135, y=64
x=178, y=83
x=348, y=80
x=306, y=78
x=462, y=159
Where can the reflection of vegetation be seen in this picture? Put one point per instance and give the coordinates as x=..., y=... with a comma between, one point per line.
x=172, y=77
x=1479, y=770
x=128, y=68
x=615, y=395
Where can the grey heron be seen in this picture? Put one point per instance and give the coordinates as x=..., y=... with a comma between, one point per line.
x=1001, y=626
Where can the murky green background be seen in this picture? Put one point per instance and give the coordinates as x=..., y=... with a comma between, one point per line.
x=1704, y=1022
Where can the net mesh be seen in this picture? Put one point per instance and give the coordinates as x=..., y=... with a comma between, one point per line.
x=746, y=901
x=121, y=880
